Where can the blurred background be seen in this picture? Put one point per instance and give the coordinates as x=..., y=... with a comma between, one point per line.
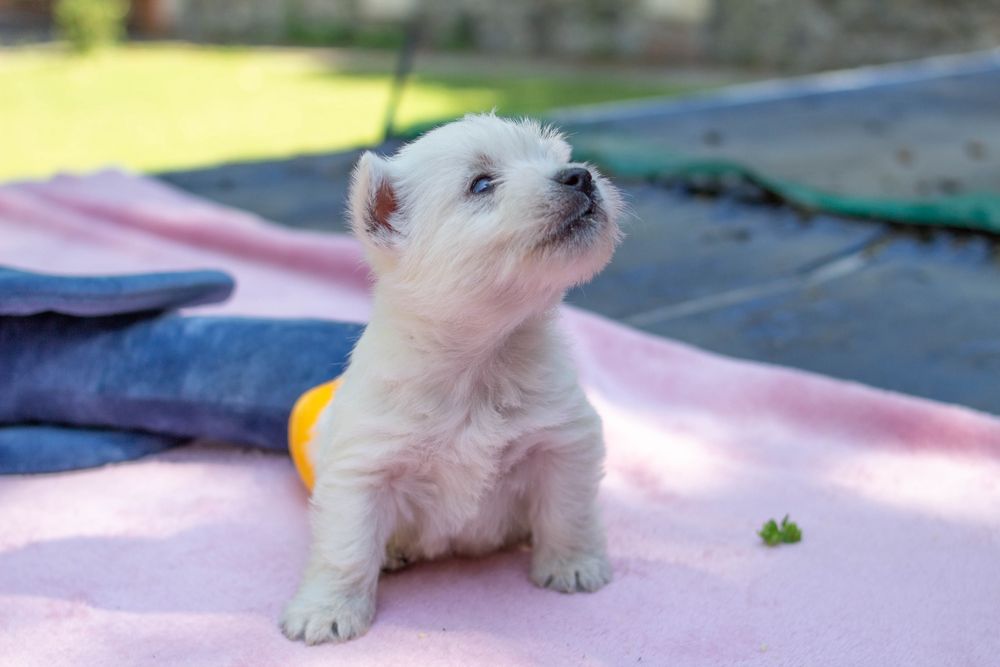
x=197, y=82
x=845, y=223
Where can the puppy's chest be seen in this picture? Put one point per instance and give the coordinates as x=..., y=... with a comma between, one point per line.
x=473, y=426
x=481, y=444
x=461, y=460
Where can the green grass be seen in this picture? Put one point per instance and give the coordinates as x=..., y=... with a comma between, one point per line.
x=159, y=107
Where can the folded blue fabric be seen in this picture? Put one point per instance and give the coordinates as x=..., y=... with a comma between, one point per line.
x=225, y=378
x=23, y=293
x=137, y=379
x=37, y=449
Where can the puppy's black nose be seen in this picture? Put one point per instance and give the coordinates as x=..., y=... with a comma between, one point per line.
x=577, y=178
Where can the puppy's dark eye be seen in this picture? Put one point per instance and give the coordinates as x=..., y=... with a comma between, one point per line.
x=481, y=184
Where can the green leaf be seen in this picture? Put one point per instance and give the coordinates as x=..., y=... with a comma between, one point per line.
x=773, y=534
x=770, y=533
x=791, y=533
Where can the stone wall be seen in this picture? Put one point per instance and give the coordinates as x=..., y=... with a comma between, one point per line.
x=594, y=28
x=250, y=20
x=643, y=29
x=790, y=35
x=819, y=34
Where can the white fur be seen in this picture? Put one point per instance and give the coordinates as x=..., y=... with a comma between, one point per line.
x=460, y=427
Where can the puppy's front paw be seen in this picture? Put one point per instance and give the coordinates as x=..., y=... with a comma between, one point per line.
x=584, y=572
x=316, y=619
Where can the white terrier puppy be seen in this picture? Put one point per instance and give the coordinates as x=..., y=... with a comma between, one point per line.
x=460, y=427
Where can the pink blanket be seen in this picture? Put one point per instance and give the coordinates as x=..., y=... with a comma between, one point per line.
x=187, y=558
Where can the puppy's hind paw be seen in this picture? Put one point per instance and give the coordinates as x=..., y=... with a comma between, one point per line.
x=335, y=619
x=396, y=559
x=578, y=573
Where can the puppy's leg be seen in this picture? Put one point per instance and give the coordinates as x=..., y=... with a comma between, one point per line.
x=567, y=536
x=336, y=598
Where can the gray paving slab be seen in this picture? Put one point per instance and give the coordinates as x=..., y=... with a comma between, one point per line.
x=686, y=249
x=307, y=192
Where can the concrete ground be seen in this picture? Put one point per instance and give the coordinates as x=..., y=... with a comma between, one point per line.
x=915, y=311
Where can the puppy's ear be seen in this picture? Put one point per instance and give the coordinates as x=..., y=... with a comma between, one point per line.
x=373, y=202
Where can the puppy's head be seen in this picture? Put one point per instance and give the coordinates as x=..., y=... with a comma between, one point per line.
x=483, y=210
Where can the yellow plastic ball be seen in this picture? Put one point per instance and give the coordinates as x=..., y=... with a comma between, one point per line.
x=305, y=414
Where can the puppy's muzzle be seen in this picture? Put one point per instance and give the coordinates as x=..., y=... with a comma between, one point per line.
x=578, y=191
x=580, y=215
